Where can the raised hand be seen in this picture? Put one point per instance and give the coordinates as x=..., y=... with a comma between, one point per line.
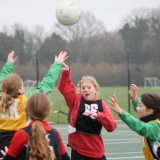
x=114, y=106
x=65, y=67
x=11, y=57
x=133, y=93
x=61, y=57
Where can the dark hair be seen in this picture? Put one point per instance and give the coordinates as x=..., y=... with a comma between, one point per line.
x=151, y=101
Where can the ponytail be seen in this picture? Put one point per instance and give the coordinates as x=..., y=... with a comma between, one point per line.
x=5, y=102
x=39, y=146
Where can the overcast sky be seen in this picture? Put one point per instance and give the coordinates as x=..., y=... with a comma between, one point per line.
x=42, y=12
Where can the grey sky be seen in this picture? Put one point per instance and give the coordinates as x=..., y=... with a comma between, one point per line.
x=42, y=12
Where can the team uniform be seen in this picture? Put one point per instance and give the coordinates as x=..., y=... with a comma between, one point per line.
x=6, y=70
x=149, y=128
x=16, y=118
x=19, y=144
x=85, y=137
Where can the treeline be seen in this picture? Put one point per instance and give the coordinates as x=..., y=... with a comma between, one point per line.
x=92, y=49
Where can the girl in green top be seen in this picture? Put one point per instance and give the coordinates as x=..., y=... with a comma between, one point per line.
x=147, y=123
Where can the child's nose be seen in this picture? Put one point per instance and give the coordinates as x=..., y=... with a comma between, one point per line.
x=137, y=108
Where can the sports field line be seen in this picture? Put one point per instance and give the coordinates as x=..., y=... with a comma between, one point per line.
x=121, y=142
x=121, y=139
x=124, y=153
x=129, y=158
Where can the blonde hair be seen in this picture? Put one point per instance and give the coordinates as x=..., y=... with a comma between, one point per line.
x=10, y=90
x=38, y=108
x=90, y=79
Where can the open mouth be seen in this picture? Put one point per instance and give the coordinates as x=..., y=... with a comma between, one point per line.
x=86, y=95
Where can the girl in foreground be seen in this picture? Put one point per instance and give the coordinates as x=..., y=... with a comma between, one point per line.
x=37, y=141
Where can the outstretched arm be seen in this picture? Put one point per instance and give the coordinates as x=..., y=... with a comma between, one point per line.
x=49, y=80
x=133, y=94
x=149, y=130
x=114, y=105
x=9, y=66
x=67, y=87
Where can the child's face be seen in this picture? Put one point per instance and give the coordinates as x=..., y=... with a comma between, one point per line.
x=143, y=111
x=88, y=91
x=21, y=90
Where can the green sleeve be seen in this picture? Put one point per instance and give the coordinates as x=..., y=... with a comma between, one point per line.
x=136, y=103
x=149, y=130
x=6, y=70
x=48, y=81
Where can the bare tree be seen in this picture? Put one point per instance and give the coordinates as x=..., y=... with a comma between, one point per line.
x=87, y=26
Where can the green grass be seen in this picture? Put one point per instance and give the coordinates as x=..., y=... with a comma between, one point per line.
x=121, y=93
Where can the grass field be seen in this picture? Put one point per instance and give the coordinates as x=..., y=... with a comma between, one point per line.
x=58, y=103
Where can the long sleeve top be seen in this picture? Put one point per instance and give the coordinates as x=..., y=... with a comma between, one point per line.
x=17, y=117
x=85, y=144
x=20, y=140
x=150, y=132
x=6, y=70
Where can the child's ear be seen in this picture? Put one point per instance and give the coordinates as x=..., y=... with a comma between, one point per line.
x=21, y=91
x=97, y=90
x=150, y=111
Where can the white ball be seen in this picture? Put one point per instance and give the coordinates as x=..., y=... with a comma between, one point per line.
x=68, y=13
